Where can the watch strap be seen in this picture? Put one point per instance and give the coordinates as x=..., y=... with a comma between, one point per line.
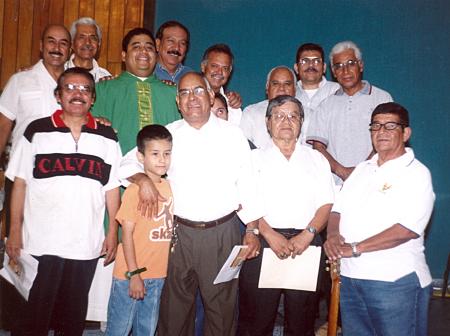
x=129, y=274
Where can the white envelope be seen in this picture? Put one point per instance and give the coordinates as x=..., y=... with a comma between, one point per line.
x=232, y=266
x=21, y=275
x=299, y=273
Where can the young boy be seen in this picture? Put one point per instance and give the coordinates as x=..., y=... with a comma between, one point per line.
x=141, y=262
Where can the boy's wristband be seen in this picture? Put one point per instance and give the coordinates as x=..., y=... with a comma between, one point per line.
x=129, y=274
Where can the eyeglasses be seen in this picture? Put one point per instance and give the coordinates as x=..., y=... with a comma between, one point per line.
x=389, y=126
x=291, y=117
x=310, y=61
x=197, y=91
x=350, y=64
x=84, y=89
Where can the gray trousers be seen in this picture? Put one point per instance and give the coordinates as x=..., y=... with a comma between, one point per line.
x=197, y=258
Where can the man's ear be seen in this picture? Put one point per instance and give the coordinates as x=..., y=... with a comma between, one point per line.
x=324, y=68
x=58, y=98
x=124, y=56
x=296, y=68
x=140, y=157
x=212, y=96
x=361, y=66
x=158, y=43
x=177, y=99
x=203, y=66
x=407, y=131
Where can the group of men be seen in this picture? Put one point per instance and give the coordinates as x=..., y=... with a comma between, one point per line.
x=211, y=177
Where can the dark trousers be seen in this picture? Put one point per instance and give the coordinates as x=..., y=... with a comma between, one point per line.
x=258, y=306
x=198, y=257
x=61, y=287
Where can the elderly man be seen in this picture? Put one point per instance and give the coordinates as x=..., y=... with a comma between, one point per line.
x=136, y=98
x=291, y=222
x=211, y=177
x=312, y=87
x=86, y=41
x=217, y=65
x=28, y=95
x=75, y=160
x=376, y=229
x=280, y=81
x=339, y=127
x=172, y=44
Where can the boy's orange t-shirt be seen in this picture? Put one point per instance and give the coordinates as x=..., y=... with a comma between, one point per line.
x=151, y=237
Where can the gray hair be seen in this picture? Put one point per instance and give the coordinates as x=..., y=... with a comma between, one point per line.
x=344, y=45
x=85, y=21
x=281, y=100
x=199, y=74
x=280, y=67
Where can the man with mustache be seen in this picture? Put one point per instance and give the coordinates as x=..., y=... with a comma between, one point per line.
x=172, y=44
x=74, y=160
x=312, y=87
x=136, y=98
x=339, y=128
x=86, y=41
x=217, y=65
x=280, y=81
x=28, y=95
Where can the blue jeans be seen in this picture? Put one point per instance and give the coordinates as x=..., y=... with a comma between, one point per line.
x=126, y=314
x=370, y=307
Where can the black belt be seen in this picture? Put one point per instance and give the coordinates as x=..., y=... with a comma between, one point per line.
x=204, y=225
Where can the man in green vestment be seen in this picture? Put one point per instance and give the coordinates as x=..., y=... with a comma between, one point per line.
x=136, y=98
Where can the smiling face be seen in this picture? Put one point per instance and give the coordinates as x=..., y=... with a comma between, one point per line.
x=172, y=47
x=349, y=75
x=389, y=144
x=75, y=95
x=310, y=68
x=217, y=69
x=86, y=42
x=194, y=99
x=140, y=57
x=55, y=46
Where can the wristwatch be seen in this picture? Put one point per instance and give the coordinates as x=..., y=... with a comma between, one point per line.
x=311, y=229
x=129, y=274
x=255, y=231
x=355, y=252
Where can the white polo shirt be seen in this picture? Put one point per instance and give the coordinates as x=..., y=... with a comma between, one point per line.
x=97, y=71
x=28, y=96
x=66, y=185
x=293, y=189
x=373, y=199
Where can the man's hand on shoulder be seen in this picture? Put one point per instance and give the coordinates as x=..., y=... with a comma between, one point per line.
x=107, y=78
x=168, y=82
x=103, y=121
x=234, y=99
x=148, y=196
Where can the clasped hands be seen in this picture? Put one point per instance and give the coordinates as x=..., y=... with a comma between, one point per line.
x=292, y=247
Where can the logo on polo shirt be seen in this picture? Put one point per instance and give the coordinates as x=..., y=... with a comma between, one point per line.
x=77, y=164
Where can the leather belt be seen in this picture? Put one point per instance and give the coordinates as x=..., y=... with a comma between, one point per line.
x=204, y=225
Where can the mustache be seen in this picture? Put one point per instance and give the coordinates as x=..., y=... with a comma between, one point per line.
x=311, y=69
x=217, y=76
x=79, y=100
x=174, y=52
x=57, y=53
x=87, y=47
